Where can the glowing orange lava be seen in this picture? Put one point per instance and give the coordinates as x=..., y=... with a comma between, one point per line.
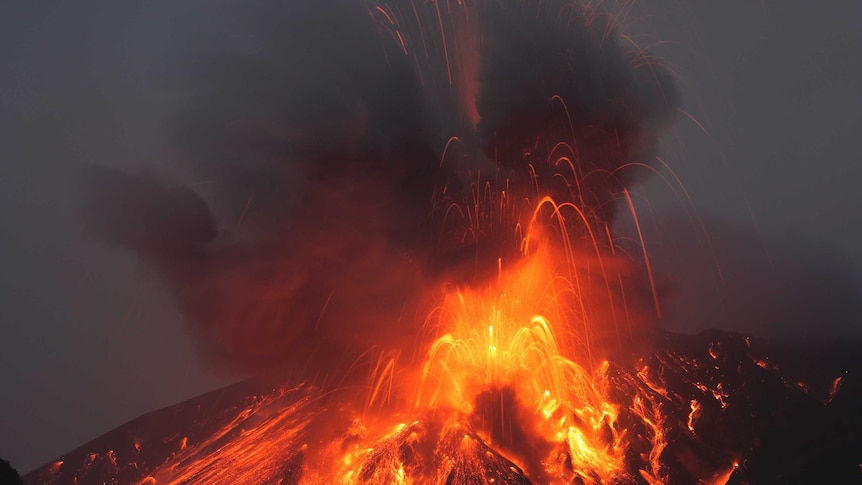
x=517, y=366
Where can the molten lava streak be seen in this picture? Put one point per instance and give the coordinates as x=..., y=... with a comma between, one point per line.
x=515, y=344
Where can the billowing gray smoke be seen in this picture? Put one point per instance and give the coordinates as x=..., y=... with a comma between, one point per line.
x=318, y=129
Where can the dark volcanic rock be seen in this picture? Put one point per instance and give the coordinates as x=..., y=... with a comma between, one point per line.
x=726, y=409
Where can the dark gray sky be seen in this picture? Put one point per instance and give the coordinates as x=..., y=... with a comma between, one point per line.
x=90, y=340
x=775, y=171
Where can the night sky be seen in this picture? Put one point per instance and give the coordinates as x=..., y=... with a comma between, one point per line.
x=90, y=339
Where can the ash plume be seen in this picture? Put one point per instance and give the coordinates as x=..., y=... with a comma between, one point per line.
x=573, y=82
x=316, y=232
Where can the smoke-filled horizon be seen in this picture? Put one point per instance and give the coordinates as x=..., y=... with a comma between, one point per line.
x=353, y=217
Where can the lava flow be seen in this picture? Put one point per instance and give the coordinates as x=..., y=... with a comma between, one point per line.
x=514, y=373
x=498, y=329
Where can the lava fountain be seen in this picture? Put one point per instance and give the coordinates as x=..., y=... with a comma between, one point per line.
x=516, y=367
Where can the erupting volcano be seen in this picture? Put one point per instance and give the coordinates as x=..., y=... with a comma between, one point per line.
x=425, y=273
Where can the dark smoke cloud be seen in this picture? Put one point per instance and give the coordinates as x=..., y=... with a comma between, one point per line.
x=510, y=426
x=313, y=232
x=617, y=98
